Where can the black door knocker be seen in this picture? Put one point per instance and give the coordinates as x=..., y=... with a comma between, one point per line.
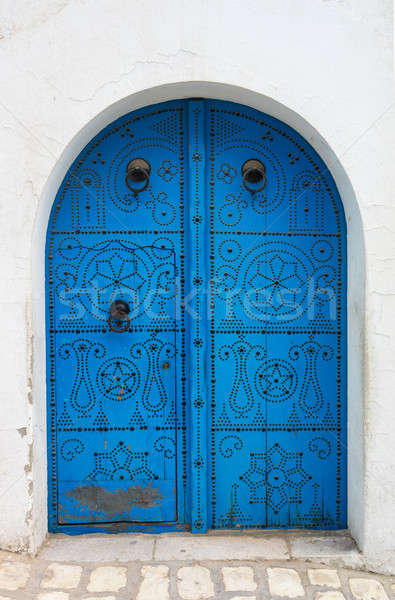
x=138, y=172
x=119, y=319
x=254, y=175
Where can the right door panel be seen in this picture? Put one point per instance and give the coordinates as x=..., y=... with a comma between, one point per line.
x=278, y=329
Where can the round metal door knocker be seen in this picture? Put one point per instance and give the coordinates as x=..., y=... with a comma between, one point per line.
x=138, y=173
x=254, y=175
x=119, y=319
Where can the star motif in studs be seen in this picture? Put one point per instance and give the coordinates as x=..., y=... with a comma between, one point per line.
x=116, y=276
x=121, y=463
x=276, y=380
x=118, y=379
x=277, y=281
x=275, y=477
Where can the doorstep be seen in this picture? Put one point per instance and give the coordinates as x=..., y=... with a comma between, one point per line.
x=330, y=548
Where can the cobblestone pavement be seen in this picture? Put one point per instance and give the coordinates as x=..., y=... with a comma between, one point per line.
x=38, y=579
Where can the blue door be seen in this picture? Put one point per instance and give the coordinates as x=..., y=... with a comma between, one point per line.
x=196, y=319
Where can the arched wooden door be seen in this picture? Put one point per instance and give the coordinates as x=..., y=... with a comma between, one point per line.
x=219, y=400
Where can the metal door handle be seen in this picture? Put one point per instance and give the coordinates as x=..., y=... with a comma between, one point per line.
x=138, y=171
x=253, y=172
x=119, y=313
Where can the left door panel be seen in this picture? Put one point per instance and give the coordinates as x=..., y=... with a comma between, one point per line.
x=115, y=390
x=115, y=428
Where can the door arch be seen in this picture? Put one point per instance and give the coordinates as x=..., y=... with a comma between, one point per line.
x=223, y=403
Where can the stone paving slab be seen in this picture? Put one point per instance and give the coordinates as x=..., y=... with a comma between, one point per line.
x=189, y=567
x=224, y=547
x=38, y=579
x=99, y=548
x=333, y=546
x=308, y=546
x=335, y=549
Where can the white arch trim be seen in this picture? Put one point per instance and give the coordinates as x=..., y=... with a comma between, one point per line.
x=355, y=294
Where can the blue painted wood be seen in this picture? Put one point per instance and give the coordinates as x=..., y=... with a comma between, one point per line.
x=223, y=404
x=278, y=330
x=197, y=313
x=115, y=426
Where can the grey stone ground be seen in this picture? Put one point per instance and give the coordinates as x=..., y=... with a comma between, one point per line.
x=191, y=568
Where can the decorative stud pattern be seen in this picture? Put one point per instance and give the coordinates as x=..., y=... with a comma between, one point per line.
x=114, y=423
x=236, y=400
x=277, y=281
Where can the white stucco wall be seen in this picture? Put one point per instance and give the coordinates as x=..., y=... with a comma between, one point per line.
x=324, y=66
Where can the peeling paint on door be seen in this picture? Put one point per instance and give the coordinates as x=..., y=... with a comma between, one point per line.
x=115, y=502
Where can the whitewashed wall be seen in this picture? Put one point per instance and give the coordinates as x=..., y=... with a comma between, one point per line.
x=324, y=66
